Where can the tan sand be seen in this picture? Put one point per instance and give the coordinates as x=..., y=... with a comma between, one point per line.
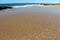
x=31, y=23
x=50, y=6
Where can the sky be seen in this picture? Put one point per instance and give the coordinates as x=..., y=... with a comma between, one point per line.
x=29, y=1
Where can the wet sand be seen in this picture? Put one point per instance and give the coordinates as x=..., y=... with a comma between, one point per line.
x=30, y=23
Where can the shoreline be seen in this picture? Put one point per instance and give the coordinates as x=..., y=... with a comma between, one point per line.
x=42, y=6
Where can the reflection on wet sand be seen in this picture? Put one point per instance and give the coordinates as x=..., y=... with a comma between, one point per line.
x=30, y=23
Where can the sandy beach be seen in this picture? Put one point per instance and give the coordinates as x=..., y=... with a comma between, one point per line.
x=51, y=6
x=30, y=23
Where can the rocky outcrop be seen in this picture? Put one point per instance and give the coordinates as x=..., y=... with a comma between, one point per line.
x=2, y=8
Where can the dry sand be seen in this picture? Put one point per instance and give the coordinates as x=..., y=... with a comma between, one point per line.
x=50, y=6
x=30, y=23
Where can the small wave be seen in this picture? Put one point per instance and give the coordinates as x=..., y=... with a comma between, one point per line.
x=24, y=6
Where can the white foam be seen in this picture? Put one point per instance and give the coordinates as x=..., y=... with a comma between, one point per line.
x=24, y=6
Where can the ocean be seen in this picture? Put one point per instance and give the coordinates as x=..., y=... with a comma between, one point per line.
x=18, y=4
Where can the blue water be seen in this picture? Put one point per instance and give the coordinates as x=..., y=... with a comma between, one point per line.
x=11, y=4
x=17, y=4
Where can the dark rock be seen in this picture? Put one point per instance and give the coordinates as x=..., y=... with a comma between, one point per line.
x=2, y=8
